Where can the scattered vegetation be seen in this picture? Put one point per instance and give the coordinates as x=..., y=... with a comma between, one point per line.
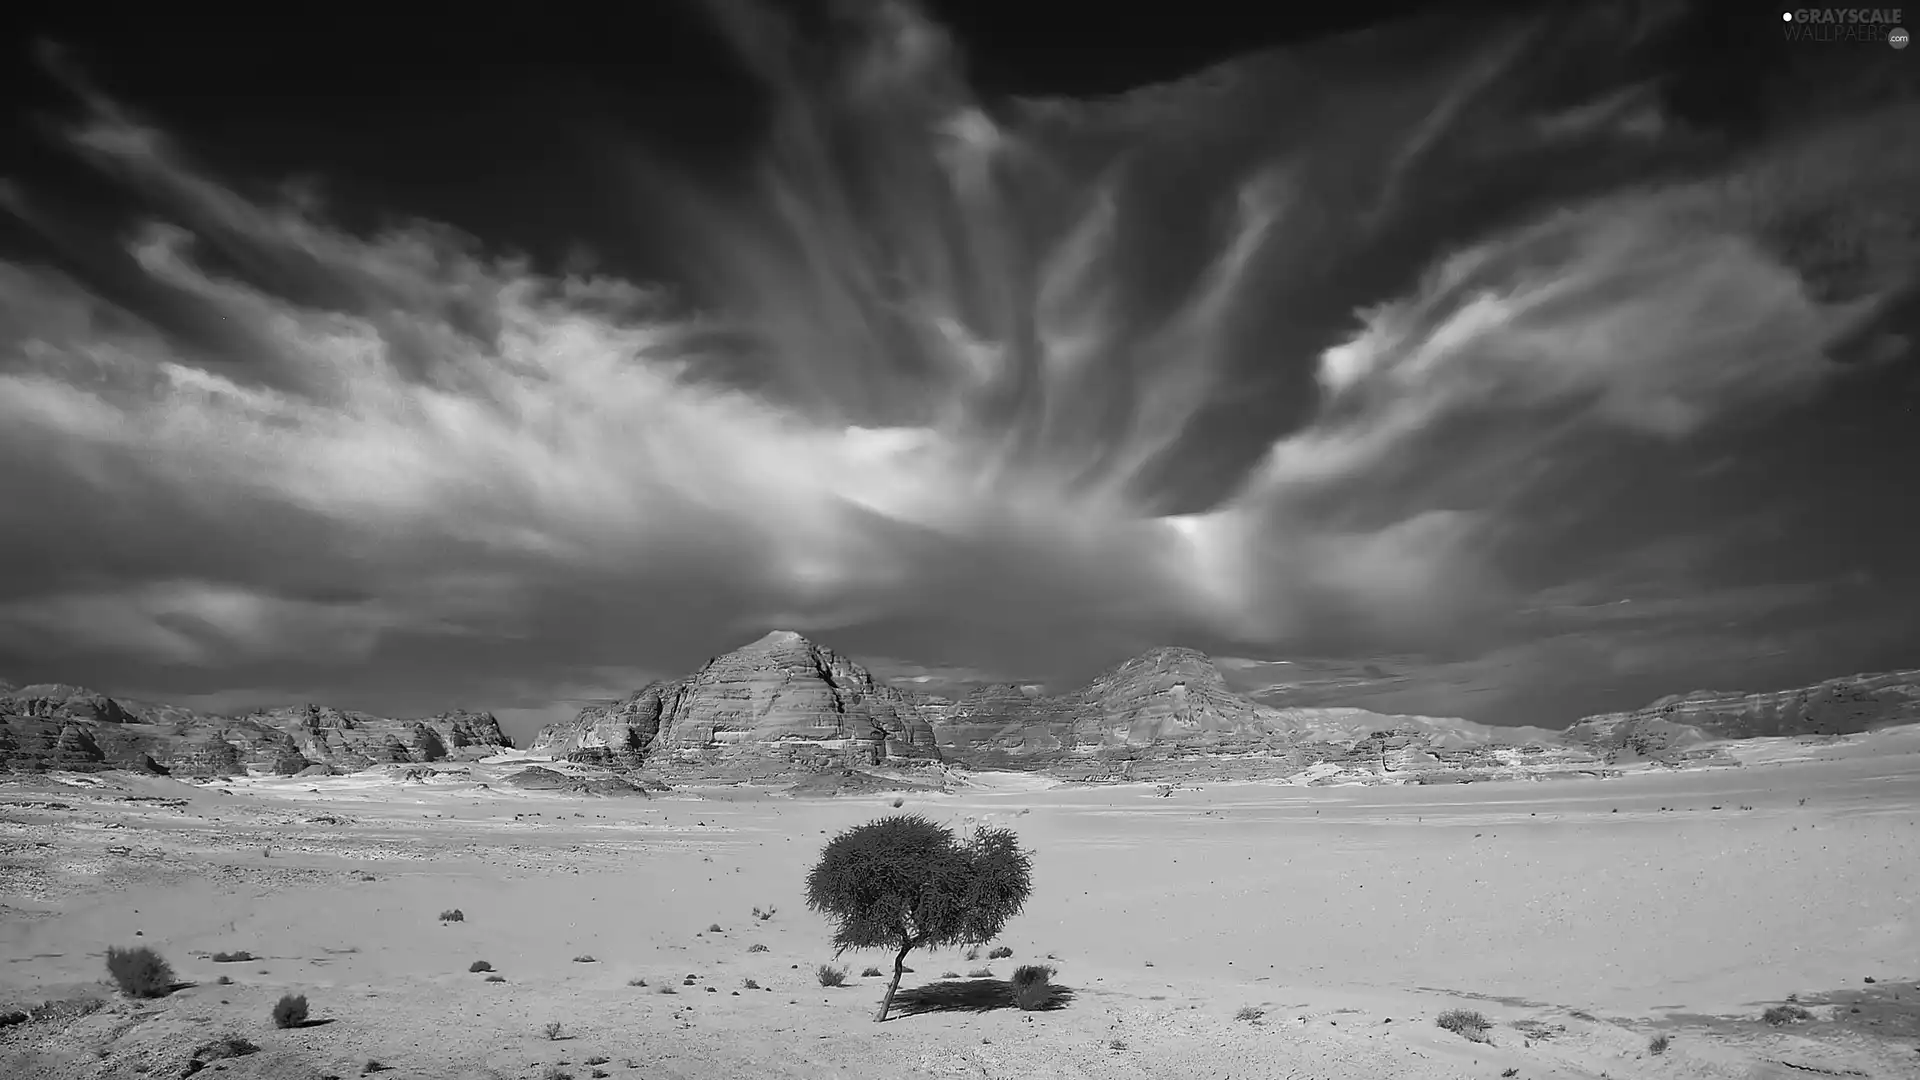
x=479, y=965
x=496, y=978
x=1032, y=988
x=290, y=1011
x=830, y=975
x=906, y=882
x=763, y=916
x=999, y=953
x=1465, y=1023
x=756, y=948
x=553, y=1030
x=584, y=958
x=1658, y=1045
x=140, y=972
x=232, y=957
x=453, y=915
x=1785, y=1014
x=871, y=973
x=1249, y=1013
x=750, y=984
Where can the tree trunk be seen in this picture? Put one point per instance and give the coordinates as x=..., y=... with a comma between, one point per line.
x=899, y=968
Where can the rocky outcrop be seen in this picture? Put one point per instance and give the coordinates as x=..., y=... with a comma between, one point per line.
x=1675, y=726
x=780, y=704
x=50, y=726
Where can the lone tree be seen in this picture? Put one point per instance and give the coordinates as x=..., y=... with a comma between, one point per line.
x=904, y=882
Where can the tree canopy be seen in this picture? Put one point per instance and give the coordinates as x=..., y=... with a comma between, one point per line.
x=905, y=882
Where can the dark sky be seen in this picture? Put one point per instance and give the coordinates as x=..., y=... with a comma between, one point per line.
x=1511, y=366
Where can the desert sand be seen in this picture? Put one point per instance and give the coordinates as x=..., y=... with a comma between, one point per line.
x=1582, y=918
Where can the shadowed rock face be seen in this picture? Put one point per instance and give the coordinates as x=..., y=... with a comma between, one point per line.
x=67, y=727
x=1842, y=706
x=780, y=701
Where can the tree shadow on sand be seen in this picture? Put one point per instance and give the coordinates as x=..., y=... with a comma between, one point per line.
x=971, y=995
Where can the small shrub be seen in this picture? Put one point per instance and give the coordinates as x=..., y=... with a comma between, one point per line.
x=949, y=974
x=224, y=980
x=1000, y=953
x=713, y=928
x=756, y=948
x=555, y=1072
x=479, y=965
x=140, y=972
x=668, y=990
x=1116, y=1044
x=1658, y=1045
x=898, y=803
x=453, y=915
x=583, y=958
x=553, y=1030
x=636, y=982
x=372, y=1067
x=290, y=1011
x=767, y=914
x=869, y=973
x=597, y=1059
x=226, y=1046
x=1465, y=1023
x=1248, y=1012
x=1031, y=986
x=1785, y=1014
x=980, y=973
x=750, y=984
x=830, y=975
x=232, y=957
x=496, y=978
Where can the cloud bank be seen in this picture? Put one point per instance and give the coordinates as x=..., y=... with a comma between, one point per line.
x=1014, y=387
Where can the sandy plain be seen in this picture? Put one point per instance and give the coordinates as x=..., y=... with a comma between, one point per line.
x=1582, y=918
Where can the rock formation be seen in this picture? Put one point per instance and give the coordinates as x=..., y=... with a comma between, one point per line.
x=52, y=726
x=1842, y=706
x=781, y=704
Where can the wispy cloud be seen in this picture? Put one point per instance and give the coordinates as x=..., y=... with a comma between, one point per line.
x=930, y=390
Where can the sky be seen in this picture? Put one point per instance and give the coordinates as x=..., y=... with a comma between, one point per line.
x=1507, y=366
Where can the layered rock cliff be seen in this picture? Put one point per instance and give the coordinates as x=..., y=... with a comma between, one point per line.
x=53, y=726
x=1842, y=706
x=780, y=704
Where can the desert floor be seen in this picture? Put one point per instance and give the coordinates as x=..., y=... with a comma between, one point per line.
x=1581, y=917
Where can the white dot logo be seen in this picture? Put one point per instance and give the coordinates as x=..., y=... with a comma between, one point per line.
x=1786, y=16
x=1898, y=39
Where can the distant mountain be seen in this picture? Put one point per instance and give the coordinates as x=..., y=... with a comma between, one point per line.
x=777, y=705
x=1842, y=706
x=55, y=726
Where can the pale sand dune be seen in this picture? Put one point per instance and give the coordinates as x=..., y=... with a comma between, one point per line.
x=1351, y=915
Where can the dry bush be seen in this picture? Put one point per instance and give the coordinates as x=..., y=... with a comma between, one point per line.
x=636, y=982
x=1465, y=1023
x=980, y=973
x=1658, y=1045
x=830, y=975
x=232, y=957
x=479, y=965
x=496, y=978
x=553, y=1030
x=1785, y=1014
x=872, y=972
x=453, y=915
x=999, y=953
x=713, y=928
x=1248, y=1012
x=756, y=948
x=1032, y=988
x=290, y=1011
x=583, y=958
x=750, y=984
x=140, y=972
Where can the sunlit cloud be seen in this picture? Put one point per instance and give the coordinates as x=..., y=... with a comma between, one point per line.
x=932, y=378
